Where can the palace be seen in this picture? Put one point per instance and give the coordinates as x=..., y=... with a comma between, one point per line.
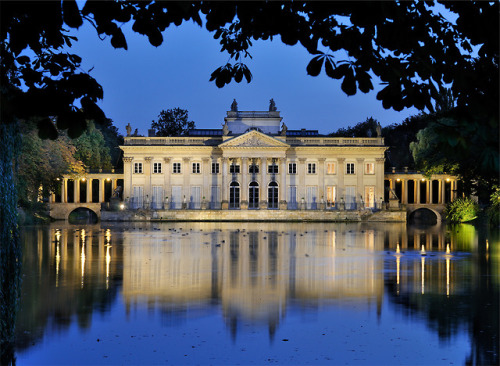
x=253, y=162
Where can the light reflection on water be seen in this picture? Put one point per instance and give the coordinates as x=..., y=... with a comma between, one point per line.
x=230, y=282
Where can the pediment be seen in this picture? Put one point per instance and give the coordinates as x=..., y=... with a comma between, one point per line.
x=254, y=139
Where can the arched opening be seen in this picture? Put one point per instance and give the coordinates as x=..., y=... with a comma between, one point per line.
x=234, y=195
x=82, y=215
x=423, y=216
x=272, y=195
x=253, y=195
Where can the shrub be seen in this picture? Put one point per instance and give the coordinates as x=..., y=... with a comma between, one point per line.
x=461, y=210
x=494, y=209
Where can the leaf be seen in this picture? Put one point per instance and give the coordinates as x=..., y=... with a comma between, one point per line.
x=329, y=67
x=314, y=66
x=364, y=81
x=23, y=60
x=71, y=13
x=349, y=83
x=118, y=39
x=155, y=38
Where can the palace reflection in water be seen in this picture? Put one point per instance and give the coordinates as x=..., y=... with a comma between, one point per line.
x=255, y=273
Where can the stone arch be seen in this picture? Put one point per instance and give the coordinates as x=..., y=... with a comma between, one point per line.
x=83, y=215
x=424, y=215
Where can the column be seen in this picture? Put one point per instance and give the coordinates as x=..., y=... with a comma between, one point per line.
x=76, y=190
x=404, y=191
x=64, y=189
x=340, y=184
x=321, y=182
x=263, y=183
x=301, y=189
x=360, y=172
x=379, y=171
x=417, y=187
x=442, y=187
x=147, y=176
x=206, y=171
x=244, y=184
x=224, y=182
x=428, y=191
x=167, y=187
x=283, y=187
x=186, y=174
x=88, y=183
x=127, y=178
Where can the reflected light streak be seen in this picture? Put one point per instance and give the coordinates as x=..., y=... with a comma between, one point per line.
x=83, y=255
x=423, y=275
x=398, y=265
x=58, y=261
x=108, y=261
x=448, y=257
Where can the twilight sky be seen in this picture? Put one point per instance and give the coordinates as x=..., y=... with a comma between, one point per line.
x=142, y=81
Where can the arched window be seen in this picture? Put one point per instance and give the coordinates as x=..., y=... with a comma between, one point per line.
x=234, y=195
x=272, y=195
x=253, y=195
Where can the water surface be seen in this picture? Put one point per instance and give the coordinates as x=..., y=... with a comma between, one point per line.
x=258, y=293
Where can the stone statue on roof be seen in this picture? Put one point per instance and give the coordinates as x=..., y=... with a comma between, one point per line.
x=129, y=130
x=225, y=129
x=272, y=105
x=284, y=128
x=379, y=130
x=234, y=106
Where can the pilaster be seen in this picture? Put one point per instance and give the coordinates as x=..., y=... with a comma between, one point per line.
x=127, y=175
x=341, y=172
x=147, y=175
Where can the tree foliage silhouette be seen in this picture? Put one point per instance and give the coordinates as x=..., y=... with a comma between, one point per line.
x=172, y=122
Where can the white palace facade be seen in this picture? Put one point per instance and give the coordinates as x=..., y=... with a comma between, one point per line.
x=253, y=163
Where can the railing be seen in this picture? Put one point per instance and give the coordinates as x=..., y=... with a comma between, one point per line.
x=253, y=114
x=335, y=141
x=196, y=141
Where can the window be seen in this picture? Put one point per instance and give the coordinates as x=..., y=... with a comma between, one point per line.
x=330, y=168
x=311, y=168
x=196, y=168
x=234, y=168
x=273, y=168
x=370, y=168
x=138, y=168
x=156, y=168
x=350, y=168
x=292, y=168
x=176, y=168
x=253, y=169
x=215, y=168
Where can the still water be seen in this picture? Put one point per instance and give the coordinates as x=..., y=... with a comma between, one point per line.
x=259, y=293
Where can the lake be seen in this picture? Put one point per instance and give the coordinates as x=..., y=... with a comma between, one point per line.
x=259, y=293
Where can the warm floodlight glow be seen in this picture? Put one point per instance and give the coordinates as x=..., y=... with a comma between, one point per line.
x=423, y=179
x=448, y=248
x=398, y=180
x=122, y=206
x=108, y=179
x=422, y=251
x=83, y=179
x=447, y=179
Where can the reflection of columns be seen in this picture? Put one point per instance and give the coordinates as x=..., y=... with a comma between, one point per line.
x=321, y=178
x=379, y=171
x=127, y=175
x=263, y=195
x=224, y=183
x=302, y=179
x=147, y=175
x=206, y=174
x=360, y=174
x=283, y=189
x=186, y=173
x=166, y=175
x=341, y=171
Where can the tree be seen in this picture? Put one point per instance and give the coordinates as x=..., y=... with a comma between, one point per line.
x=91, y=149
x=368, y=128
x=172, y=122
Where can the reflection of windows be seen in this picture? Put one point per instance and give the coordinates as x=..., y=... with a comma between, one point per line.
x=273, y=168
x=330, y=168
x=370, y=168
x=292, y=168
x=311, y=168
x=234, y=168
x=156, y=168
x=350, y=168
x=176, y=168
x=196, y=168
x=253, y=169
x=138, y=168
x=330, y=195
x=215, y=168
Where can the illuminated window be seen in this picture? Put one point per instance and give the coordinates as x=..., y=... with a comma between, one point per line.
x=292, y=168
x=350, y=168
x=196, y=168
x=138, y=168
x=330, y=168
x=370, y=168
x=176, y=168
x=311, y=168
x=156, y=168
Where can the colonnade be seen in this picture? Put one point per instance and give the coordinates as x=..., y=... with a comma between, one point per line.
x=73, y=195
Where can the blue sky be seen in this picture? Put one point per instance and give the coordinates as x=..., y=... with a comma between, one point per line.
x=142, y=81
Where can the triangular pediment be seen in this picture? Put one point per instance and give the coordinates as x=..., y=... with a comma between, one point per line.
x=254, y=139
